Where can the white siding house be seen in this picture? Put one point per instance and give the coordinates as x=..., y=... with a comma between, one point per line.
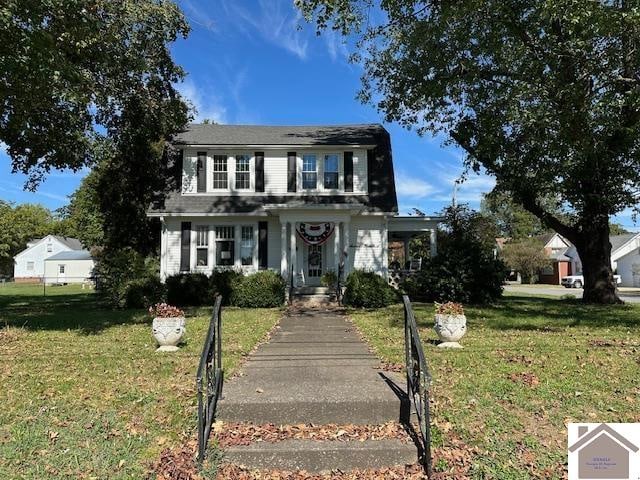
x=298, y=200
x=29, y=263
x=74, y=266
x=625, y=257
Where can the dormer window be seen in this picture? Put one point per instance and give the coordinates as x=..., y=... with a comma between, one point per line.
x=49, y=248
x=331, y=171
x=309, y=172
x=243, y=179
x=220, y=173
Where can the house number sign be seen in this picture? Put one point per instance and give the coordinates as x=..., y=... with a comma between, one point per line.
x=315, y=233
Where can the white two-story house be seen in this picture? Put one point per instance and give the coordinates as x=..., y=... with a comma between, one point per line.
x=298, y=200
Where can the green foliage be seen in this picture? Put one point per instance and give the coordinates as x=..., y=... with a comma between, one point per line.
x=260, y=289
x=365, y=289
x=329, y=279
x=144, y=292
x=123, y=275
x=192, y=289
x=221, y=282
x=18, y=225
x=544, y=96
x=465, y=269
x=527, y=257
x=511, y=219
x=617, y=229
x=82, y=218
x=72, y=70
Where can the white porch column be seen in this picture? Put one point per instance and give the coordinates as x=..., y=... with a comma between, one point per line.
x=163, y=249
x=346, y=227
x=283, y=248
x=336, y=246
x=433, y=242
x=294, y=258
x=385, y=248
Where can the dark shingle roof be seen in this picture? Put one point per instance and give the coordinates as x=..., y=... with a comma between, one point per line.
x=618, y=241
x=208, y=134
x=72, y=243
x=176, y=203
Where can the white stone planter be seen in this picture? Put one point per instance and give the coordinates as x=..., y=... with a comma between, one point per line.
x=450, y=329
x=168, y=332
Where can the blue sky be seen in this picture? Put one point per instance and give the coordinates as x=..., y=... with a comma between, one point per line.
x=248, y=62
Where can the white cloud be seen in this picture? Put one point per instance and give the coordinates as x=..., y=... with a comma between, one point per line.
x=276, y=21
x=198, y=17
x=335, y=43
x=205, y=104
x=412, y=187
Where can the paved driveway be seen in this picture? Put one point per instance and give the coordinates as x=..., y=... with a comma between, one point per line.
x=630, y=295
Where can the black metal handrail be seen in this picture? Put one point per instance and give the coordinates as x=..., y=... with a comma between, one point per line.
x=209, y=378
x=418, y=382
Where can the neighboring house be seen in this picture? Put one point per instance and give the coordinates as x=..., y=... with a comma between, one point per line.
x=602, y=453
x=29, y=263
x=625, y=258
x=557, y=248
x=297, y=200
x=74, y=266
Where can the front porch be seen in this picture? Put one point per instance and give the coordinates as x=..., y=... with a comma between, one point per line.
x=316, y=240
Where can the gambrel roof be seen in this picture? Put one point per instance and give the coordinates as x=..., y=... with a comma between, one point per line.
x=381, y=195
x=212, y=134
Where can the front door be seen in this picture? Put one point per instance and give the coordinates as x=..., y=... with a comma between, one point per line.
x=313, y=264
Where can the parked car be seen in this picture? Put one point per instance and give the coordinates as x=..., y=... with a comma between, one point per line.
x=577, y=281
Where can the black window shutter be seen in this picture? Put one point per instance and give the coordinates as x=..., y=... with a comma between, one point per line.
x=291, y=168
x=185, y=247
x=259, y=156
x=348, y=171
x=202, y=171
x=262, y=246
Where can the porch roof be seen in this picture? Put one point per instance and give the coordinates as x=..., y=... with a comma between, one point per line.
x=413, y=224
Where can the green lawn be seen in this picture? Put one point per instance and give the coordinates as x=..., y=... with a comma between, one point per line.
x=529, y=366
x=83, y=393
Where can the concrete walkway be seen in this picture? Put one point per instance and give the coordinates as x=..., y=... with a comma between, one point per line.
x=316, y=369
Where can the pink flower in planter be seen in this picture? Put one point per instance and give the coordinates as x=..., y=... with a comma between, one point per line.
x=163, y=310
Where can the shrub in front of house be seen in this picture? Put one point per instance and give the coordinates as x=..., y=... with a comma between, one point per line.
x=193, y=289
x=144, y=292
x=221, y=282
x=115, y=270
x=259, y=290
x=368, y=290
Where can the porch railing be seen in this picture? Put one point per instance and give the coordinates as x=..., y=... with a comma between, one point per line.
x=209, y=378
x=418, y=382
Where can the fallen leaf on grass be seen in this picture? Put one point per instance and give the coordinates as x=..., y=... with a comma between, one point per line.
x=526, y=378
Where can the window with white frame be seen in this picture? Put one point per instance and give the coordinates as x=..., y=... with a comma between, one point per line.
x=61, y=268
x=243, y=179
x=331, y=171
x=30, y=266
x=202, y=246
x=246, y=245
x=49, y=248
x=220, y=173
x=309, y=172
x=225, y=246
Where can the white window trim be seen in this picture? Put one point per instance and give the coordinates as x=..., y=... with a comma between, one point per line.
x=252, y=162
x=197, y=267
x=230, y=168
x=320, y=172
x=301, y=169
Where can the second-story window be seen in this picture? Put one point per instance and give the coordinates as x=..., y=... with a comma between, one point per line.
x=331, y=171
x=243, y=180
x=220, y=179
x=309, y=172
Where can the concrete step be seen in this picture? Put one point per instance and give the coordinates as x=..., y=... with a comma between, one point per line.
x=313, y=291
x=317, y=456
x=313, y=300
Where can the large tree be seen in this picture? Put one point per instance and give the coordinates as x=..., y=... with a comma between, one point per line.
x=18, y=225
x=510, y=218
x=69, y=68
x=545, y=96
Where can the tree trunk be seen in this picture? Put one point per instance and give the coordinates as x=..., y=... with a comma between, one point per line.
x=595, y=254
